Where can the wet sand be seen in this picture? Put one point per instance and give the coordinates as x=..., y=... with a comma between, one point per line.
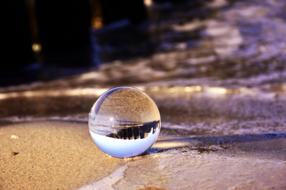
x=50, y=155
x=61, y=155
x=192, y=170
x=257, y=162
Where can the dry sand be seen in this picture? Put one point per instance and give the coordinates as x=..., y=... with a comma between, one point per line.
x=61, y=155
x=50, y=155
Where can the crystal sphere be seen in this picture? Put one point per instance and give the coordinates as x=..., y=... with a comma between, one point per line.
x=124, y=122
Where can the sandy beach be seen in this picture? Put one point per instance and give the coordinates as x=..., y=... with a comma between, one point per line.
x=217, y=73
x=50, y=155
x=61, y=155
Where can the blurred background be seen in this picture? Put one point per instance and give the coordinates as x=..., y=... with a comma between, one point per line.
x=191, y=56
x=48, y=39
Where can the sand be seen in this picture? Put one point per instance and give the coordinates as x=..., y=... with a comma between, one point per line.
x=182, y=165
x=60, y=155
x=220, y=88
x=50, y=155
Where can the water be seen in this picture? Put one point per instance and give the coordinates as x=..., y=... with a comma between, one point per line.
x=124, y=122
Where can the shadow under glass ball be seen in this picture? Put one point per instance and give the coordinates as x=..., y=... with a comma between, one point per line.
x=124, y=122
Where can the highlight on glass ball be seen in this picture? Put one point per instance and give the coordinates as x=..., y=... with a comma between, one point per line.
x=124, y=122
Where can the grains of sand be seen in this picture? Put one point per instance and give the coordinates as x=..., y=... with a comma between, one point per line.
x=50, y=155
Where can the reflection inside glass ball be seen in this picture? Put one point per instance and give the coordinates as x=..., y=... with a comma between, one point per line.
x=124, y=122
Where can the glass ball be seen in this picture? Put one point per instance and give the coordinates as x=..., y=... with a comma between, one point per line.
x=124, y=122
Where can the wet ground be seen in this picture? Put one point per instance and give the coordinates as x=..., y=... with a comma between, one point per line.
x=219, y=82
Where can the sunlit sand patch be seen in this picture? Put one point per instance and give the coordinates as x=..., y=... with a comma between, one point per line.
x=50, y=155
x=171, y=144
x=157, y=90
x=54, y=93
